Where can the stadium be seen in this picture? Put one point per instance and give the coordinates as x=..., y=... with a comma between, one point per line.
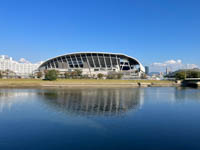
x=93, y=63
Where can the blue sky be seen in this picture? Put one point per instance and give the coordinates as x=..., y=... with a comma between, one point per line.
x=150, y=30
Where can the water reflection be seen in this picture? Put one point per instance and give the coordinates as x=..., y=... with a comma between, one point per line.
x=185, y=94
x=94, y=101
x=10, y=97
x=109, y=101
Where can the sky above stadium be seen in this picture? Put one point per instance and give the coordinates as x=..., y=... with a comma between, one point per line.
x=159, y=33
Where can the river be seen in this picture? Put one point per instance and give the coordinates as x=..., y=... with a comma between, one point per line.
x=100, y=119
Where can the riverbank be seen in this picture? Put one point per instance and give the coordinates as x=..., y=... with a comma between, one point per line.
x=32, y=83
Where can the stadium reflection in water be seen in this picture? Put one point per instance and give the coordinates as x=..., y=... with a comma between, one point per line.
x=94, y=101
x=88, y=102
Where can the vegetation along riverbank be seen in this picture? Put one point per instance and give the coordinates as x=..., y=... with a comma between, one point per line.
x=83, y=82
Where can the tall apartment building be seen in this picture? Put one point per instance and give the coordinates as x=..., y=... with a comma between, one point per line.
x=21, y=68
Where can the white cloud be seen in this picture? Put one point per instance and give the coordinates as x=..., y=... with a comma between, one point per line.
x=23, y=60
x=172, y=65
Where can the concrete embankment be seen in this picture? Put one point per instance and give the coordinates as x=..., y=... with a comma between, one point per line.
x=159, y=84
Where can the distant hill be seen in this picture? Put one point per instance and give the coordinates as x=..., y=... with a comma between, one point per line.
x=172, y=74
x=152, y=73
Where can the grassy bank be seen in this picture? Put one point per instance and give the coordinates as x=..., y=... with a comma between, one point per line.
x=77, y=82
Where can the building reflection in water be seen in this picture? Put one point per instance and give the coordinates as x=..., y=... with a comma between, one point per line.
x=88, y=102
x=9, y=97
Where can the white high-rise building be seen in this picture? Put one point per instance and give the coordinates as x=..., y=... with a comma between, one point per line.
x=21, y=68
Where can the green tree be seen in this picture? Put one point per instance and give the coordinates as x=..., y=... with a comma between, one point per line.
x=67, y=75
x=143, y=76
x=193, y=74
x=51, y=75
x=1, y=75
x=74, y=74
x=78, y=72
x=180, y=75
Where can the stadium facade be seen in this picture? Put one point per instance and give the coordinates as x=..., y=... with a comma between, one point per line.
x=92, y=63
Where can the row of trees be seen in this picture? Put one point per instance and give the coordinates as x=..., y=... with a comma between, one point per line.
x=114, y=75
x=77, y=74
x=7, y=74
x=181, y=75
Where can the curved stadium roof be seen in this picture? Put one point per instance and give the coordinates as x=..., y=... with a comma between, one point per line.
x=104, y=53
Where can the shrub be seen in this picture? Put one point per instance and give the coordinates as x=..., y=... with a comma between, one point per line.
x=114, y=75
x=31, y=76
x=94, y=76
x=85, y=76
x=100, y=76
x=39, y=74
x=51, y=75
x=119, y=75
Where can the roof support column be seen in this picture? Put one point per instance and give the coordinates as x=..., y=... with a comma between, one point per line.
x=105, y=61
x=67, y=61
x=77, y=61
x=111, y=62
x=71, y=61
x=99, y=60
x=57, y=62
x=50, y=64
x=54, y=63
x=82, y=59
x=88, y=65
x=118, y=62
x=93, y=61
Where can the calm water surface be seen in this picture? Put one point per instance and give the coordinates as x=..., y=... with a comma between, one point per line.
x=90, y=119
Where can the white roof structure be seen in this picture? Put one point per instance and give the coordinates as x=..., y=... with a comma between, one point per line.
x=142, y=68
